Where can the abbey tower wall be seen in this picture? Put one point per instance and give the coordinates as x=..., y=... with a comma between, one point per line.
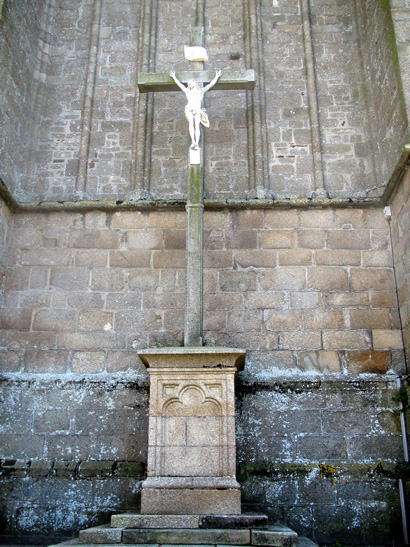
x=298, y=265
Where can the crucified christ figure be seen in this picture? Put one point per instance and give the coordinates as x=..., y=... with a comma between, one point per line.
x=194, y=112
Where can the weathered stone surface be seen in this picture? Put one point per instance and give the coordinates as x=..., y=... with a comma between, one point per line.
x=280, y=536
x=400, y=231
x=188, y=537
x=245, y=520
x=63, y=272
x=191, y=445
x=306, y=542
x=191, y=501
x=101, y=534
x=137, y=520
x=368, y=361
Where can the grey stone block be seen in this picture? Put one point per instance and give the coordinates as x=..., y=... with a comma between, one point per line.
x=191, y=501
x=251, y=520
x=133, y=520
x=188, y=537
x=279, y=536
x=101, y=535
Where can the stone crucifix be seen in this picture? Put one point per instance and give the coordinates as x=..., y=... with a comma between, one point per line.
x=194, y=112
x=191, y=83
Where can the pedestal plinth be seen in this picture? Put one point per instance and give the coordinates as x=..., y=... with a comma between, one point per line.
x=191, y=440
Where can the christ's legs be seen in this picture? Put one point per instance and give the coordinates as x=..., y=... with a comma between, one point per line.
x=190, y=117
x=197, y=129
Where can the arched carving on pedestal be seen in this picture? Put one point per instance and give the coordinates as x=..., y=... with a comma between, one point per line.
x=192, y=433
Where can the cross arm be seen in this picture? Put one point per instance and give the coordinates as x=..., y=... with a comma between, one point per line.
x=162, y=81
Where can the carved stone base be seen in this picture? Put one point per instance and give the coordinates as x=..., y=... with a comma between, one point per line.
x=190, y=501
x=191, y=441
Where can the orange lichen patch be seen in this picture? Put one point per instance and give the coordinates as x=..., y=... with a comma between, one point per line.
x=377, y=362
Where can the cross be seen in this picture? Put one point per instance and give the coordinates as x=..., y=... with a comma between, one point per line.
x=229, y=80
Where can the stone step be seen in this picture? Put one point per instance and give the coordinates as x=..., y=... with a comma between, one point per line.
x=195, y=536
x=136, y=520
x=245, y=520
x=277, y=536
x=100, y=535
x=306, y=542
x=302, y=542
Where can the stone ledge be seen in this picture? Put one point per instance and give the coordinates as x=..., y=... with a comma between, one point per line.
x=101, y=534
x=136, y=520
x=191, y=482
x=193, y=357
x=221, y=522
x=188, y=537
x=279, y=536
x=245, y=520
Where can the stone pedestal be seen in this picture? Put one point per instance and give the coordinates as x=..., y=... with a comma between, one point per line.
x=191, y=441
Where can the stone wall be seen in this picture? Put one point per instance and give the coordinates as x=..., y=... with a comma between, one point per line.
x=400, y=236
x=73, y=452
x=320, y=455
x=400, y=201
x=315, y=285
x=401, y=22
x=86, y=132
x=309, y=292
x=5, y=225
x=310, y=284
x=381, y=93
x=19, y=30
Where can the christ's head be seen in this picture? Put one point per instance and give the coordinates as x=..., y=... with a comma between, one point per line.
x=193, y=84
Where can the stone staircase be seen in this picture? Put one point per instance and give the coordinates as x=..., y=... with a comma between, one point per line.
x=189, y=530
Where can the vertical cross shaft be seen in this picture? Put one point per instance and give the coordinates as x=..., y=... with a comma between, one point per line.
x=193, y=335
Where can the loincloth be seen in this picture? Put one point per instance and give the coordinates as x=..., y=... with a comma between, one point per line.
x=202, y=112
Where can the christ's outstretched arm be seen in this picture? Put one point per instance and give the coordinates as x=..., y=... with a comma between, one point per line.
x=179, y=84
x=213, y=82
